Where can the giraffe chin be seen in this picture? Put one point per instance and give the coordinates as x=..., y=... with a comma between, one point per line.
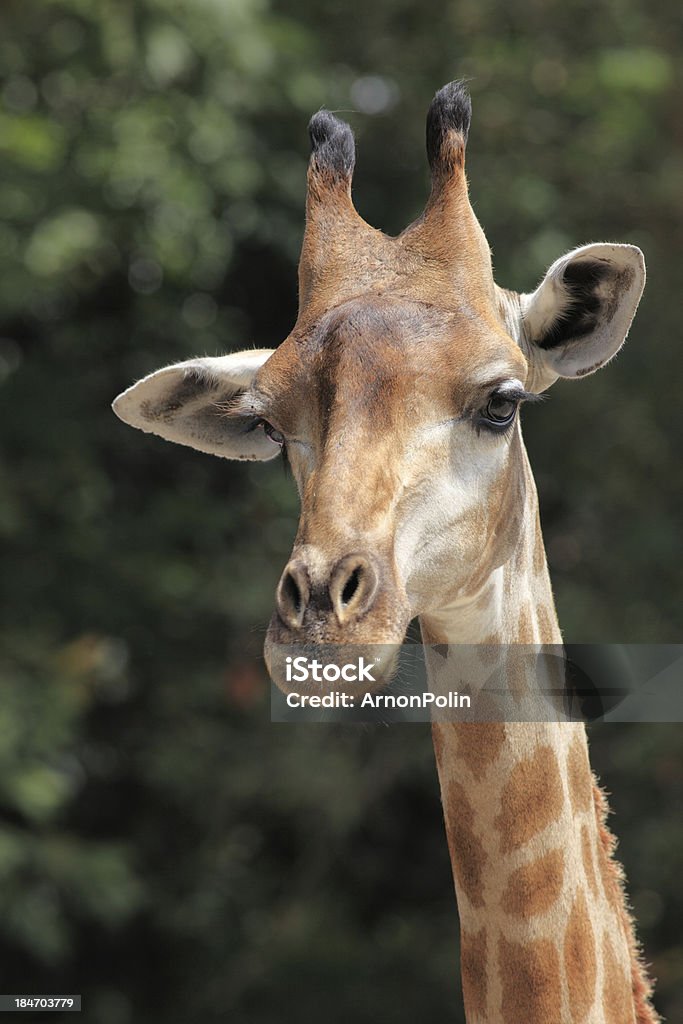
x=319, y=664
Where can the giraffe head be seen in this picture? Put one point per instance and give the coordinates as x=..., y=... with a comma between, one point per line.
x=396, y=395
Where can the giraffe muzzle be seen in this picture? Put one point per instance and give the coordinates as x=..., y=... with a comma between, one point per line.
x=338, y=610
x=345, y=595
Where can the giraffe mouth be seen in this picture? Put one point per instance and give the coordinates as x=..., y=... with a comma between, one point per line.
x=337, y=630
x=321, y=668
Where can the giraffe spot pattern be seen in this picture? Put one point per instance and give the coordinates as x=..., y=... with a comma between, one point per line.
x=530, y=800
x=579, y=776
x=473, y=961
x=468, y=855
x=588, y=862
x=530, y=976
x=579, y=961
x=480, y=744
x=535, y=888
x=617, y=1003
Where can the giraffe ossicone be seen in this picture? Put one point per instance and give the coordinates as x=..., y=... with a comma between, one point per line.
x=396, y=397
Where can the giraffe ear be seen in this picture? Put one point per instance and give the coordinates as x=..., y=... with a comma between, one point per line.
x=186, y=402
x=580, y=314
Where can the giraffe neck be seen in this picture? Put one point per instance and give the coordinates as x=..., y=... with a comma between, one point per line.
x=545, y=935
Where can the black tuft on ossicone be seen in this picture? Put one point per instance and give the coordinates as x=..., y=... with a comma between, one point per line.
x=450, y=110
x=332, y=145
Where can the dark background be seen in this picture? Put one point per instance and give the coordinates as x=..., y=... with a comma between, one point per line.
x=164, y=849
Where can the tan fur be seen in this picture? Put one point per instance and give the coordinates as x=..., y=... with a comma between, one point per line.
x=380, y=393
x=579, y=961
x=617, y=1007
x=579, y=776
x=588, y=861
x=613, y=877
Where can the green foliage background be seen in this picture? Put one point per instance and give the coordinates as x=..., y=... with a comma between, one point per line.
x=164, y=850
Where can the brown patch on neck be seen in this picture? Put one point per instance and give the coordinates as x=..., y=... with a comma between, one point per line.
x=536, y=887
x=530, y=975
x=468, y=856
x=531, y=799
x=579, y=961
x=479, y=745
x=473, y=960
x=579, y=776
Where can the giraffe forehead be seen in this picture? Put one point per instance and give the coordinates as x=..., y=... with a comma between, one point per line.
x=373, y=353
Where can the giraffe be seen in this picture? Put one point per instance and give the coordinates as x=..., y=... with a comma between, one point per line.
x=396, y=401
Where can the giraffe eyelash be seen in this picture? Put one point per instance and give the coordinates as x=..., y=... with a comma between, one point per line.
x=513, y=396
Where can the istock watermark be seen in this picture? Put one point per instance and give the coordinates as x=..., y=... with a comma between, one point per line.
x=479, y=683
x=303, y=670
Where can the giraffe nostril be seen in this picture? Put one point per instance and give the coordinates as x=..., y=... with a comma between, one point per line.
x=353, y=587
x=291, y=593
x=348, y=592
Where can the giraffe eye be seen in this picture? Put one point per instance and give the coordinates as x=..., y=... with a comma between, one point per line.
x=275, y=435
x=500, y=411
